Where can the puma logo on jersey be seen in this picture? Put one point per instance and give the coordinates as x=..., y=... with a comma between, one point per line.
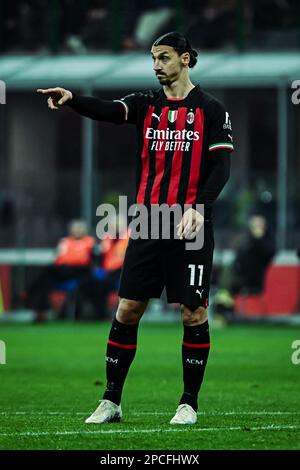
x=200, y=293
x=156, y=116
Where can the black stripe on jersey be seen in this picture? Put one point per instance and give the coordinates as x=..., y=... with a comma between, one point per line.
x=205, y=169
x=152, y=159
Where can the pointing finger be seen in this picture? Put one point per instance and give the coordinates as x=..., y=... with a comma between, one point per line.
x=45, y=91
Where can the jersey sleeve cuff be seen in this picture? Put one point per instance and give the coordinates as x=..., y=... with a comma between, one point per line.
x=126, y=109
x=221, y=145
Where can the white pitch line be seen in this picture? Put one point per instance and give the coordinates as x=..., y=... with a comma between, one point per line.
x=149, y=431
x=151, y=413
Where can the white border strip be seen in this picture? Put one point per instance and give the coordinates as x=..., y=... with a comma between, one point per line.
x=150, y=413
x=188, y=429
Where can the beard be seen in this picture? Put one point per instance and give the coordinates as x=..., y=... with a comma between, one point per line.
x=164, y=80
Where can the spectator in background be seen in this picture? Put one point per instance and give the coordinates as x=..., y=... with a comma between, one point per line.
x=149, y=19
x=213, y=25
x=114, y=247
x=73, y=262
x=246, y=275
x=86, y=25
x=73, y=19
x=105, y=278
x=96, y=32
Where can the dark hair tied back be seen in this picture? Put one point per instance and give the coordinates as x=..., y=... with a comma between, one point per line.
x=180, y=43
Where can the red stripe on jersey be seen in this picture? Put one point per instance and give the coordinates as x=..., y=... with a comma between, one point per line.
x=191, y=345
x=159, y=159
x=145, y=159
x=195, y=159
x=124, y=346
x=177, y=161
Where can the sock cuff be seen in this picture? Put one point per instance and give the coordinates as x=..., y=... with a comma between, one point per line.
x=123, y=335
x=196, y=336
x=123, y=326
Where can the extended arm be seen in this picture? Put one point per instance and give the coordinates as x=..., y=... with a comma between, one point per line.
x=98, y=109
x=94, y=108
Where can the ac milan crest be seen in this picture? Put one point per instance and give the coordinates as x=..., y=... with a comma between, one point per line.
x=190, y=117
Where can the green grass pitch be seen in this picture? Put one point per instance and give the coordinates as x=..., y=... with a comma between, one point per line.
x=249, y=399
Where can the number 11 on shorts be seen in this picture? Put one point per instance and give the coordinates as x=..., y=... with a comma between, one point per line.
x=192, y=267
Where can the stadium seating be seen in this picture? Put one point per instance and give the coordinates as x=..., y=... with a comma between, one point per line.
x=281, y=294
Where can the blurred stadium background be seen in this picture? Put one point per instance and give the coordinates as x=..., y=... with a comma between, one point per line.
x=59, y=167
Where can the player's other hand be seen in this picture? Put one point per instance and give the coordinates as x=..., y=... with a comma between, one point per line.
x=57, y=97
x=190, y=224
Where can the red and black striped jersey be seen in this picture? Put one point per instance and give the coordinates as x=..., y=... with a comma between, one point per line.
x=175, y=140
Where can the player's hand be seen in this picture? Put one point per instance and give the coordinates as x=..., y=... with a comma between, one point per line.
x=57, y=97
x=190, y=224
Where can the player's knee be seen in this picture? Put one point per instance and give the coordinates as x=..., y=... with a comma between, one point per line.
x=130, y=311
x=192, y=316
